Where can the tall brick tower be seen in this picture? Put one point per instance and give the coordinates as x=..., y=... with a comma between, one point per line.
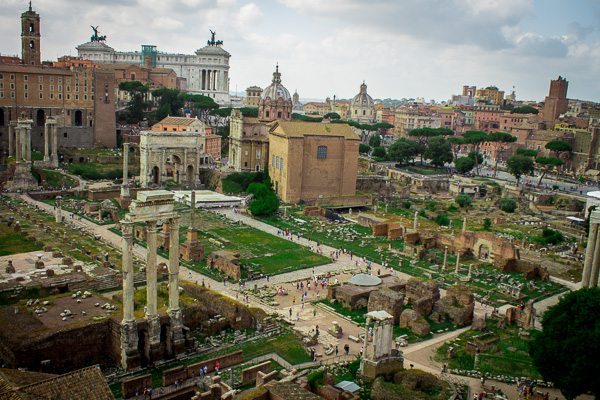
x=30, y=37
x=556, y=102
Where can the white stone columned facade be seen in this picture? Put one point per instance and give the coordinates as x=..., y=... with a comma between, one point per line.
x=50, y=142
x=150, y=207
x=591, y=266
x=22, y=178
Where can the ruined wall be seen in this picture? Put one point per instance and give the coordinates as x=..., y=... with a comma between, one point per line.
x=249, y=374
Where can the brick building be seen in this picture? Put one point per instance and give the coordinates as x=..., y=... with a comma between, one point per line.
x=556, y=102
x=81, y=97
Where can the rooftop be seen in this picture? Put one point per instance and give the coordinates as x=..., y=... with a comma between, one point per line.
x=300, y=129
x=180, y=121
x=365, y=280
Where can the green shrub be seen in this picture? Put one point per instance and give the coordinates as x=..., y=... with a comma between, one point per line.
x=463, y=200
x=452, y=208
x=549, y=236
x=487, y=224
x=238, y=182
x=442, y=219
x=406, y=204
x=431, y=206
x=364, y=148
x=508, y=205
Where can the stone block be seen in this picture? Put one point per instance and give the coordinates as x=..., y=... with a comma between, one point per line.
x=407, y=317
x=420, y=327
x=423, y=306
x=388, y=300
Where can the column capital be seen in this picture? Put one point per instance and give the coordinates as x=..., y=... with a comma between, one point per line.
x=151, y=226
x=126, y=228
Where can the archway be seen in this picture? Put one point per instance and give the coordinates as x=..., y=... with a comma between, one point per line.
x=78, y=118
x=190, y=174
x=155, y=175
x=484, y=252
x=176, y=166
x=1, y=116
x=40, y=118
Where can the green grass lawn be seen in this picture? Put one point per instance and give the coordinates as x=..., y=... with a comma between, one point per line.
x=12, y=242
x=55, y=180
x=511, y=359
x=424, y=170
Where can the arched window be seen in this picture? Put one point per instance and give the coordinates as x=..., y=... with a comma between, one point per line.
x=132, y=76
x=31, y=26
x=31, y=45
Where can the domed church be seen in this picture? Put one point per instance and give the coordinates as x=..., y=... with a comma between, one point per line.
x=362, y=108
x=275, y=101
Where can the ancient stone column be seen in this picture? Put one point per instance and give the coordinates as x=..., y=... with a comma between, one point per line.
x=595, y=264
x=55, y=144
x=11, y=144
x=415, y=220
x=47, y=141
x=174, y=265
x=456, y=269
x=125, y=185
x=23, y=143
x=28, y=143
x=151, y=298
x=151, y=305
x=464, y=229
x=127, y=257
x=58, y=209
x=589, y=255
x=469, y=274
x=445, y=257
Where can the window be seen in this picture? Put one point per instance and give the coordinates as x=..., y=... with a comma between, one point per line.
x=25, y=77
x=12, y=77
x=25, y=87
x=65, y=134
x=51, y=79
x=52, y=88
x=40, y=79
x=12, y=95
x=51, y=96
x=1, y=76
x=322, y=152
x=60, y=96
x=41, y=95
x=41, y=87
x=60, y=88
x=12, y=86
x=1, y=85
x=26, y=95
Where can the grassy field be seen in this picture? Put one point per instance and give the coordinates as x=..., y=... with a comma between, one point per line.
x=12, y=242
x=511, y=358
x=56, y=180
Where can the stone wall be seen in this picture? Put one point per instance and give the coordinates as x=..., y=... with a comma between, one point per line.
x=387, y=300
x=226, y=361
x=458, y=305
x=227, y=262
x=136, y=385
x=249, y=375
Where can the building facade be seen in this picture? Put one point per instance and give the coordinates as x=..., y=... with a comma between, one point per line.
x=252, y=96
x=206, y=71
x=275, y=101
x=80, y=97
x=556, y=102
x=362, y=107
x=311, y=161
x=248, y=143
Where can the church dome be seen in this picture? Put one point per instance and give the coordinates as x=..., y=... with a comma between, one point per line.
x=362, y=99
x=276, y=90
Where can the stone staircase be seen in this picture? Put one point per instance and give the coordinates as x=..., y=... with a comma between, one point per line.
x=271, y=328
x=114, y=281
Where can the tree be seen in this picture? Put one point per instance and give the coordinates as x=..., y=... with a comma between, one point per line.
x=403, y=151
x=170, y=102
x=567, y=349
x=500, y=137
x=475, y=138
x=521, y=151
x=547, y=163
x=264, y=201
x=487, y=224
x=508, y=205
x=463, y=200
x=442, y=219
x=331, y=115
x=464, y=164
x=519, y=166
x=375, y=141
x=455, y=142
x=475, y=156
x=201, y=105
x=558, y=146
x=364, y=148
x=137, y=100
x=424, y=134
x=524, y=110
x=379, y=152
x=438, y=151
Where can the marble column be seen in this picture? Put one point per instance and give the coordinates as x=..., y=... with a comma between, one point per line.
x=464, y=228
x=445, y=258
x=174, y=265
x=18, y=149
x=28, y=144
x=415, y=222
x=11, y=141
x=469, y=274
x=47, y=141
x=151, y=298
x=595, y=265
x=589, y=255
x=125, y=184
x=55, y=144
x=456, y=269
x=22, y=131
x=127, y=268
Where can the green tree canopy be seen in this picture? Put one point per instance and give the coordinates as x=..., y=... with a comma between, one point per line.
x=306, y=118
x=475, y=137
x=379, y=152
x=332, y=115
x=476, y=156
x=438, y=151
x=487, y=224
x=501, y=137
x=558, y=146
x=264, y=201
x=403, y=150
x=374, y=141
x=464, y=164
x=170, y=102
x=364, y=148
x=567, y=349
x=519, y=165
x=521, y=151
x=137, y=100
x=524, y=110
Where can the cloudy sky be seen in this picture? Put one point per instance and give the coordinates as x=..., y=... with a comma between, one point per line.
x=401, y=48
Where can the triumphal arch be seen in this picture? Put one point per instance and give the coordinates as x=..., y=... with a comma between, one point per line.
x=151, y=338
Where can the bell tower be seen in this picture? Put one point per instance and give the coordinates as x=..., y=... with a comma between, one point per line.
x=30, y=37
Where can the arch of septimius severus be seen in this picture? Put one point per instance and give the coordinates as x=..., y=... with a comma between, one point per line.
x=591, y=266
x=141, y=338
